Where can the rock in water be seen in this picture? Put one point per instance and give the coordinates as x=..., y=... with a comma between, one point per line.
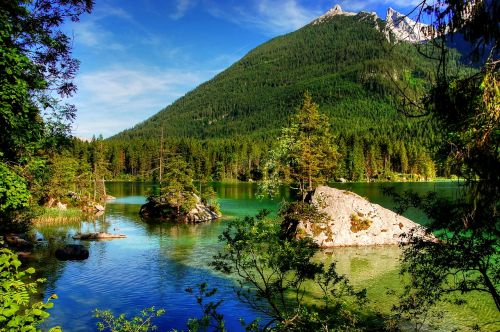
x=98, y=236
x=201, y=213
x=17, y=241
x=354, y=221
x=72, y=252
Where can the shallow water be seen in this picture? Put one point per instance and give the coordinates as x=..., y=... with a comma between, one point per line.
x=157, y=262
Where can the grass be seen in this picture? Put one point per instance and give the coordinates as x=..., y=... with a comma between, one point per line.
x=54, y=216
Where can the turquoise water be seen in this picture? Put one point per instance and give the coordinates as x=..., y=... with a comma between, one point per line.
x=157, y=262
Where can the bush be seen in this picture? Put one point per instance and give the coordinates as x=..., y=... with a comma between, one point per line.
x=17, y=312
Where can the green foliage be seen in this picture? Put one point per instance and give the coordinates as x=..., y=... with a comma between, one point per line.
x=66, y=174
x=209, y=198
x=15, y=199
x=29, y=78
x=177, y=196
x=14, y=193
x=141, y=323
x=211, y=319
x=21, y=123
x=36, y=71
x=17, y=311
x=179, y=190
x=466, y=107
x=274, y=274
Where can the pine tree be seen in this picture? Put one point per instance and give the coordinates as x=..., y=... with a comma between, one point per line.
x=179, y=188
x=305, y=150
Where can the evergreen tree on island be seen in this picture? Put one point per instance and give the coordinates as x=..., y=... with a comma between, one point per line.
x=304, y=155
x=179, y=191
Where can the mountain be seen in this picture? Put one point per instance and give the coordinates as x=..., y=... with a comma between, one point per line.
x=353, y=65
x=343, y=59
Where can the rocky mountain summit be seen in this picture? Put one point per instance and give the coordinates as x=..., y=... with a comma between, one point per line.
x=352, y=220
x=399, y=25
x=405, y=29
x=336, y=10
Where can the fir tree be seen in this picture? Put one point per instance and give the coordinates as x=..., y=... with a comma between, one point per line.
x=305, y=150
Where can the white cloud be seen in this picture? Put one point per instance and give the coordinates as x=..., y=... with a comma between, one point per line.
x=285, y=15
x=90, y=32
x=182, y=6
x=105, y=10
x=270, y=16
x=115, y=99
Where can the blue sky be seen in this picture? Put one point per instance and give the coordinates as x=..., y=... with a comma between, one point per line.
x=138, y=56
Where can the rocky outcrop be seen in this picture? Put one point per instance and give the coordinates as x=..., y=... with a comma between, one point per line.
x=93, y=207
x=62, y=206
x=351, y=220
x=201, y=213
x=404, y=28
x=400, y=26
x=336, y=10
x=72, y=252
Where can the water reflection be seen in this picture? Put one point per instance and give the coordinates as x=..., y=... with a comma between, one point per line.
x=157, y=261
x=363, y=264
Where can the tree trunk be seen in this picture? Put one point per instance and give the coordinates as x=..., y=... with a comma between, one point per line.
x=492, y=289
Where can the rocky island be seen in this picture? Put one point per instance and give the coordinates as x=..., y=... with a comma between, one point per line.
x=160, y=208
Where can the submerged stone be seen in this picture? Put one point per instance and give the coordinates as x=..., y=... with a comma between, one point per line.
x=72, y=252
x=98, y=236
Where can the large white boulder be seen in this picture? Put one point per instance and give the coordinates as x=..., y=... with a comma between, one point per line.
x=352, y=220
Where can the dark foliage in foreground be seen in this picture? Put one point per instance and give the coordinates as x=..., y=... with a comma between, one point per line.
x=278, y=277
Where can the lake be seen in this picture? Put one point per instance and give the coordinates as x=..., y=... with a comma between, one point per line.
x=156, y=262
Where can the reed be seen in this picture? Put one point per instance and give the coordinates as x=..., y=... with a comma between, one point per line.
x=53, y=216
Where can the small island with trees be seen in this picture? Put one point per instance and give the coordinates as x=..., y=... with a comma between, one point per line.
x=178, y=199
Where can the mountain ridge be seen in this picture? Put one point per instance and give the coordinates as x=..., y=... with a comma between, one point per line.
x=402, y=27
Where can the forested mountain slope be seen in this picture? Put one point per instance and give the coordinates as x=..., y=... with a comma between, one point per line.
x=225, y=127
x=343, y=61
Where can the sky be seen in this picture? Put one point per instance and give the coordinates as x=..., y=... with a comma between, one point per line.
x=139, y=56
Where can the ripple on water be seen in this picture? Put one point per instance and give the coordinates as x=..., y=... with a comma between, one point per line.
x=155, y=263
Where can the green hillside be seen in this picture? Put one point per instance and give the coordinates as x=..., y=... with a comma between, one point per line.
x=225, y=127
x=344, y=62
